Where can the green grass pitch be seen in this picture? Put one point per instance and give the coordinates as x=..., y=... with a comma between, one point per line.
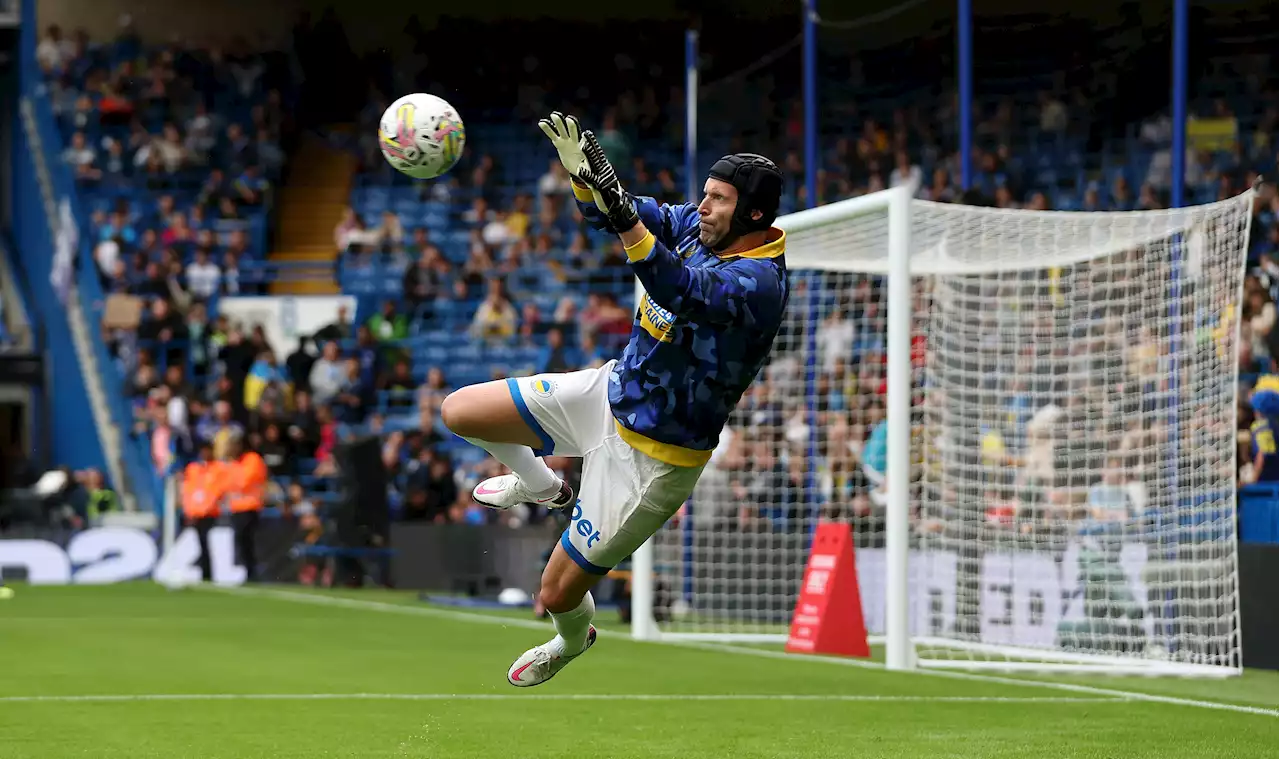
x=134, y=671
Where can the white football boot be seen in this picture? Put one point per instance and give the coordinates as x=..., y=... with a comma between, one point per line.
x=506, y=491
x=539, y=664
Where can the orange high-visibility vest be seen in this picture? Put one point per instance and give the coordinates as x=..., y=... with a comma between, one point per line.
x=201, y=490
x=247, y=483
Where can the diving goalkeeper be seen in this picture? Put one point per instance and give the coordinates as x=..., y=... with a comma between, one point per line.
x=645, y=424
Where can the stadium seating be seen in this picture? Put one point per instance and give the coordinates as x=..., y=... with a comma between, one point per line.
x=1030, y=157
x=154, y=134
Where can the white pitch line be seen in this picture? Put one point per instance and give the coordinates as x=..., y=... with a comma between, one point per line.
x=490, y=619
x=1119, y=695
x=127, y=698
x=355, y=603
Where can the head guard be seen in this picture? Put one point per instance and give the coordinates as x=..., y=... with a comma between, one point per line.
x=759, y=184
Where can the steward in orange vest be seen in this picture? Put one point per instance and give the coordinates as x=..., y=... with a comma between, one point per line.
x=203, y=482
x=246, y=494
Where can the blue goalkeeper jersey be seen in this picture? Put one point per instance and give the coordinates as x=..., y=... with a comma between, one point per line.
x=700, y=336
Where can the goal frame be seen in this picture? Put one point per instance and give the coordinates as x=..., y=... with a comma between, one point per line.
x=899, y=645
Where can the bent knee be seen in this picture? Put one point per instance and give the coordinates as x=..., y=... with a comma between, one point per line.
x=455, y=414
x=486, y=412
x=558, y=598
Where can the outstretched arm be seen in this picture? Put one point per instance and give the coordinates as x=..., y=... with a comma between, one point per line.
x=733, y=294
x=730, y=294
x=572, y=144
x=669, y=223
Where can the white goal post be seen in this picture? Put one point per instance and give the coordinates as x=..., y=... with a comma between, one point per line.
x=1029, y=418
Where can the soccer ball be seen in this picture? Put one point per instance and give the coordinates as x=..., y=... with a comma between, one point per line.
x=421, y=135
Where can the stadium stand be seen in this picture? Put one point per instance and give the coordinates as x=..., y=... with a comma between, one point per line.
x=175, y=152
x=489, y=272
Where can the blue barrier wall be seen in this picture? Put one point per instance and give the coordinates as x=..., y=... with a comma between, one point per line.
x=1260, y=513
x=72, y=437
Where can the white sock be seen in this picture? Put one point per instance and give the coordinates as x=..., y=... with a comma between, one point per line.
x=572, y=626
x=533, y=471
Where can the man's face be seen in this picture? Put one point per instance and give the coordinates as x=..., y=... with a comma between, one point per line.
x=716, y=209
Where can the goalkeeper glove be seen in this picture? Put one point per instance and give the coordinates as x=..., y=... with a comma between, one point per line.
x=565, y=134
x=615, y=203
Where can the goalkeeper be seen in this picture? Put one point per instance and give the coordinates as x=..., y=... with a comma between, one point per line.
x=645, y=424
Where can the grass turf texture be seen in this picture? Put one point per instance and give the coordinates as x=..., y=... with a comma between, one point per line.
x=387, y=677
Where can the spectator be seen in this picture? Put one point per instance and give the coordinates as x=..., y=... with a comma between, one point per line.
x=274, y=452
x=390, y=233
x=1265, y=401
x=327, y=374
x=370, y=355
x=496, y=233
x=349, y=224
x=270, y=155
x=495, y=320
x=82, y=159
x=303, y=427
x=237, y=149
x=115, y=165
x=399, y=386
x=165, y=325
x=250, y=186
x=298, y=364
x=479, y=214
x=604, y=319
x=54, y=51
x=1109, y=498
x=230, y=273
x=264, y=373
x=425, y=281
x=1261, y=314
x=556, y=356
x=905, y=172
x=532, y=327
x=615, y=144
x=433, y=391
x=389, y=324
x=204, y=278
x=354, y=397
x=340, y=329
x=102, y=499
x=555, y=182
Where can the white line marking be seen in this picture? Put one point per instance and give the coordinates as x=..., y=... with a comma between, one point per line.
x=1120, y=695
x=354, y=603
x=127, y=698
x=490, y=619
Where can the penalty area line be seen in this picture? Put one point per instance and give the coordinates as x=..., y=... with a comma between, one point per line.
x=1111, y=694
x=131, y=698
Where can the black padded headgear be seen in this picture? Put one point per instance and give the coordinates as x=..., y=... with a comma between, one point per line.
x=759, y=184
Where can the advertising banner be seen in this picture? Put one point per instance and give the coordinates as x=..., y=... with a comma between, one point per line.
x=103, y=555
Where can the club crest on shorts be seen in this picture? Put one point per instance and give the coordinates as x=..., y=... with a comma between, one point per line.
x=543, y=388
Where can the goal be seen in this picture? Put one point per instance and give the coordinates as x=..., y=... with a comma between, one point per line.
x=1029, y=419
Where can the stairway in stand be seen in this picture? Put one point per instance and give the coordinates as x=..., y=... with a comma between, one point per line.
x=308, y=209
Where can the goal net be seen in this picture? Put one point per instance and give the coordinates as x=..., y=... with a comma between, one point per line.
x=1067, y=383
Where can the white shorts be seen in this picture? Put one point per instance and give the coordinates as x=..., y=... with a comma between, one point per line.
x=625, y=495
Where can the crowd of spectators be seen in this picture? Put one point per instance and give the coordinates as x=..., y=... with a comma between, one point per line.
x=495, y=255
x=176, y=150
x=491, y=240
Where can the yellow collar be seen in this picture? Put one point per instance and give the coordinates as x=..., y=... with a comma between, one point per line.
x=775, y=243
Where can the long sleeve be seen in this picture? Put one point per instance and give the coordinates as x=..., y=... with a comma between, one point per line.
x=671, y=224
x=744, y=292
